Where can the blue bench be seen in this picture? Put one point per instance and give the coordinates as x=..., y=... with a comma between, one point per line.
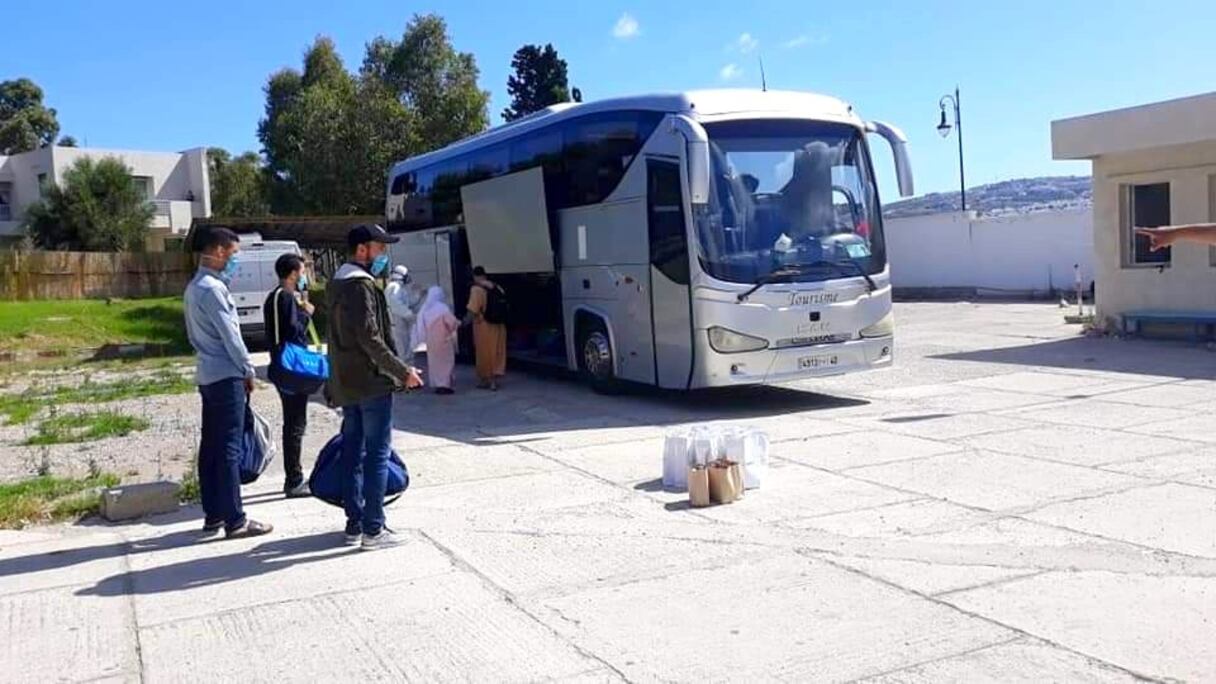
x=1132, y=320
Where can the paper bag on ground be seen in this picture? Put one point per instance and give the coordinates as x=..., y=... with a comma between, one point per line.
x=698, y=487
x=725, y=482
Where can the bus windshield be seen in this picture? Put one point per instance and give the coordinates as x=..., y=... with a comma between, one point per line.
x=790, y=196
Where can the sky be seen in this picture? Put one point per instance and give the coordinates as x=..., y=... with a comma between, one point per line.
x=171, y=76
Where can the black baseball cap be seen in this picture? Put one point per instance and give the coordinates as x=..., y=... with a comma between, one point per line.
x=369, y=232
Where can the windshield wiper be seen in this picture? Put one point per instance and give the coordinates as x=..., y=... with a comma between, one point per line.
x=773, y=276
x=801, y=269
x=870, y=284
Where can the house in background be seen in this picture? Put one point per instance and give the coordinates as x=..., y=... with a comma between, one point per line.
x=1153, y=165
x=175, y=183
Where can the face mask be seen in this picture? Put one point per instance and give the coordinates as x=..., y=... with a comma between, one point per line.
x=230, y=268
x=379, y=265
x=302, y=283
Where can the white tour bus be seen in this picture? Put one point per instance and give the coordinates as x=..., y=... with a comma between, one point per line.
x=685, y=241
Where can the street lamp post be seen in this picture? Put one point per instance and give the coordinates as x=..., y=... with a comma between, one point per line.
x=944, y=128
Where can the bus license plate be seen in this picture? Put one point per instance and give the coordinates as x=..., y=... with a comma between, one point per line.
x=811, y=362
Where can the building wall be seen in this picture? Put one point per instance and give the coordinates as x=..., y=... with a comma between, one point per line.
x=176, y=177
x=1027, y=254
x=1189, y=282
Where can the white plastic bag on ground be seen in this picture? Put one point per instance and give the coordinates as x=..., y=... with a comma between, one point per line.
x=755, y=458
x=677, y=446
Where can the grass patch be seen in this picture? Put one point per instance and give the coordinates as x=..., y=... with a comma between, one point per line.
x=49, y=499
x=65, y=325
x=72, y=428
x=20, y=408
x=190, y=491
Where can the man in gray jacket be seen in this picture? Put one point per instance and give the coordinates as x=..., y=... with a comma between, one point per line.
x=225, y=380
x=364, y=373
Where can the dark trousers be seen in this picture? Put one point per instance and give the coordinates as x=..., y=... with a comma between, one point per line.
x=219, y=451
x=295, y=422
x=367, y=430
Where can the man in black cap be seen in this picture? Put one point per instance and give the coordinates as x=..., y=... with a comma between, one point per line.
x=364, y=372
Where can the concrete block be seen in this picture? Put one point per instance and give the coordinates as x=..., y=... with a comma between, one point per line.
x=135, y=501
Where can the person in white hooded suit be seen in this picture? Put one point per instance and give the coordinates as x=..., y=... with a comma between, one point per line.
x=403, y=300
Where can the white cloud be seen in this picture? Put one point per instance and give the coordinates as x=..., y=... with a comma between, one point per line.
x=626, y=27
x=804, y=40
x=730, y=72
x=746, y=43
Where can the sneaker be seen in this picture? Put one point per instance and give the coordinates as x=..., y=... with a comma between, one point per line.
x=250, y=528
x=212, y=529
x=384, y=540
x=351, y=535
x=300, y=491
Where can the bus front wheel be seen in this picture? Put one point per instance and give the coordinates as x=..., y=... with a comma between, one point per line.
x=595, y=356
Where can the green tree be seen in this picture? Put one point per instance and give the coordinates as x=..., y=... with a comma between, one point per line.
x=430, y=77
x=329, y=136
x=97, y=209
x=67, y=141
x=238, y=185
x=540, y=80
x=25, y=122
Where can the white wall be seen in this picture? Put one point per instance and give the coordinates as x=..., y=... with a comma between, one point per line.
x=176, y=177
x=1022, y=254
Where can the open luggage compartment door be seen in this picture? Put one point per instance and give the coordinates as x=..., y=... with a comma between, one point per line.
x=507, y=223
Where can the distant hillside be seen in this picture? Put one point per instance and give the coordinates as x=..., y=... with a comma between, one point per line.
x=1020, y=196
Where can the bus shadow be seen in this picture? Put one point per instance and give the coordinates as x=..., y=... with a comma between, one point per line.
x=535, y=404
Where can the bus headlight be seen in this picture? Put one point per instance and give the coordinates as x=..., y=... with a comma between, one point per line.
x=726, y=341
x=883, y=328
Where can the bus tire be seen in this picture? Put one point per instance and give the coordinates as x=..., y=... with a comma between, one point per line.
x=595, y=356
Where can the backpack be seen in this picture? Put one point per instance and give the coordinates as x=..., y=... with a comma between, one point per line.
x=327, y=478
x=498, y=309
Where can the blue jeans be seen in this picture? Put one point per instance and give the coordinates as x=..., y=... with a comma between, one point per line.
x=219, y=452
x=367, y=430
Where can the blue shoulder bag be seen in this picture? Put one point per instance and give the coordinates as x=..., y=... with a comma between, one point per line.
x=301, y=370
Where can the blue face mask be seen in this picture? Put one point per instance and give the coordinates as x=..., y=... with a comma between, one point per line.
x=379, y=265
x=230, y=268
x=302, y=283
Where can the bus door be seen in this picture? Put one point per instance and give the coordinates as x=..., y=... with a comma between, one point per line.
x=671, y=304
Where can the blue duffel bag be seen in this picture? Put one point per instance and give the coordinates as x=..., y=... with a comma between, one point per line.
x=327, y=478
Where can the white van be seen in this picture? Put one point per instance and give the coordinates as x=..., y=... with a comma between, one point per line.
x=255, y=278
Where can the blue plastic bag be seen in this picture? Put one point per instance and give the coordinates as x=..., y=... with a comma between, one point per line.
x=257, y=447
x=327, y=478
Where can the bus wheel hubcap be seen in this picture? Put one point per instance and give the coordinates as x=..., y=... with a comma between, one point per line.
x=597, y=355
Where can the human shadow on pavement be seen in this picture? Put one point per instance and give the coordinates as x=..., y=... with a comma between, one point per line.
x=54, y=560
x=1136, y=357
x=271, y=556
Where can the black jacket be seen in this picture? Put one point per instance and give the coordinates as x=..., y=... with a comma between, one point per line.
x=362, y=364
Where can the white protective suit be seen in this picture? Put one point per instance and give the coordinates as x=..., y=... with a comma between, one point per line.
x=403, y=301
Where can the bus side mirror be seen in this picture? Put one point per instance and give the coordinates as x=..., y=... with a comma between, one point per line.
x=899, y=149
x=696, y=148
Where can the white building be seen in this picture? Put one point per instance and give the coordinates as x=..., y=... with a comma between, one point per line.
x=175, y=183
x=1153, y=165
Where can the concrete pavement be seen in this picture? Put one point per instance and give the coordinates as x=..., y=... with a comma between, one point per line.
x=1010, y=503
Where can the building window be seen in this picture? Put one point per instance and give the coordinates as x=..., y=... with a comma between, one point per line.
x=6, y=201
x=143, y=185
x=1148, y=206
x=1212, y=214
